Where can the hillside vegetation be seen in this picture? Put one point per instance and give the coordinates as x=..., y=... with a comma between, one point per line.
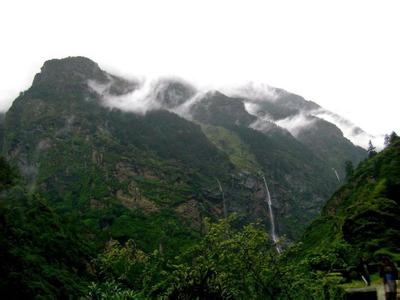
x=362, y=217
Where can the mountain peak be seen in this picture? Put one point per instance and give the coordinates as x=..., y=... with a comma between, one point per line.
x=70, y=69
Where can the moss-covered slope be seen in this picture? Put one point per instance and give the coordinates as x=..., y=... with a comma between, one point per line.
x=363, y=216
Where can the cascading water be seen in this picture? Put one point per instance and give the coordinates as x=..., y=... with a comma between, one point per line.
x=223, y=199
x=271, y=216
x=336, y=173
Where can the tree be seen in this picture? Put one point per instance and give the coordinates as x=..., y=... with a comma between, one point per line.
x=229, y=263
x=123, y=265
x=6, y=175
x=371, y=149
x=349, y=168
x=390, y=138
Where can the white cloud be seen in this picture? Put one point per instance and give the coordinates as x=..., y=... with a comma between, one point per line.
x=139, y=100
x=295, y=124
x=257, y=91
x=144, y=97
x=355, y=134
x=264, y=122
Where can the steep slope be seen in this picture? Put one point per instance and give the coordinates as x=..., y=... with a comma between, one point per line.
x=301, y=118
x=299, y=178
x=328, y=143
x=126, y=173
x=362, y=217
x=129, y=172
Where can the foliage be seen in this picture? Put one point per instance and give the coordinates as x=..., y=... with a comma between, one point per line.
x=349, y=168
x=110, y=290
x=371, y=149
x=6, y=176
x=124, y=264
x=230, y=262
x=227, y=263
x=362, y=216
x=41, y=253
x=390, y=138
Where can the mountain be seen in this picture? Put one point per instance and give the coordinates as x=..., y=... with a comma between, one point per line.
x=298, y=178
x=305, y=120
x=151, y=161
x=361, y=218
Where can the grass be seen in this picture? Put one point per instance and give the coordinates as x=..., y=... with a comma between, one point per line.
x=375, y=280
x=230, y=143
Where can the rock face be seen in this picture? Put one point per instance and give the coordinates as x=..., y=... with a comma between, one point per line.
x=191, y=213
x=218, y=109
x=88, y=158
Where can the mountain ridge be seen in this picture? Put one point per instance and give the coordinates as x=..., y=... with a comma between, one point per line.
x=135, y=159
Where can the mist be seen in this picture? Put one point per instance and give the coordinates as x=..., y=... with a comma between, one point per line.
x=256, y=91
x=350, y=131
x=151, y=94
x=140, y=100
x=295, y=124
x=179, y=96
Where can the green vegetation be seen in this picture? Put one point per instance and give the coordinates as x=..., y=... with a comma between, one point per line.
x=228, y=142
x=361, y=219
x=228, y=261
x=41, y=253
x=47, y=255
x=7, y=176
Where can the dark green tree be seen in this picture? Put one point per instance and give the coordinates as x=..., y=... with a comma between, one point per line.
x=42, y=255
x=390, y=138
x=371, y=149
x=6, y=175
x=349, y=168
x=229, y=263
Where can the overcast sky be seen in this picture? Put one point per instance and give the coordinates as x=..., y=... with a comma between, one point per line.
x=344, y=55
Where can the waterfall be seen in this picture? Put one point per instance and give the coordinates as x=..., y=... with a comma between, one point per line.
x=223, y=199
x=337, y=174
x=271, y=216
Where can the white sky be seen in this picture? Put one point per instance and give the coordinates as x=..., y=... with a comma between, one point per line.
x=344, y=55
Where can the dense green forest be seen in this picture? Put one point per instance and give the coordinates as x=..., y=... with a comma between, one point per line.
x=45, y=254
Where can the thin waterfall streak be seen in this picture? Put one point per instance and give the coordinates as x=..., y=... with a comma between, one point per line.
x=271, y=216
x=223, y=199
x=337, y=174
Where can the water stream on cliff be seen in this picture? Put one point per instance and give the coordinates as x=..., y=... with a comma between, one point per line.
x=337, y=174
x=224, y=208
x=271, y=216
